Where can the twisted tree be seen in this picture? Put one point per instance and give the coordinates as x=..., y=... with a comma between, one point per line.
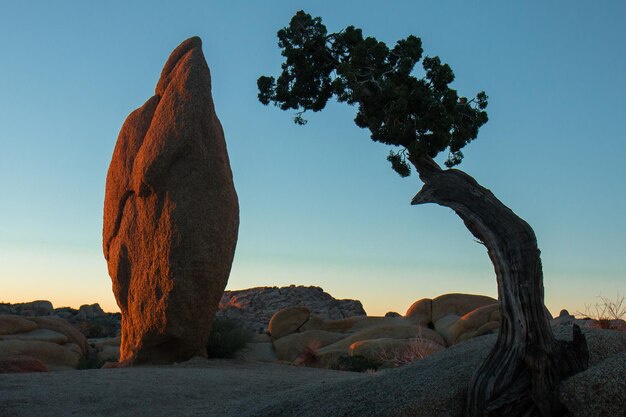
x=422, y=117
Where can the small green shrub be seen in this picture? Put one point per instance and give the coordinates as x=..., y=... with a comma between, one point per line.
x=356, y=363
x=227, y=338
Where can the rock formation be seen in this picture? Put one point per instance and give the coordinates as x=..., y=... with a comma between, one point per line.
x=49, y=340
x=254, y=307
x=171, y=215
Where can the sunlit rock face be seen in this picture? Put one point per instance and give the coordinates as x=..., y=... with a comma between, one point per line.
x=171, y=215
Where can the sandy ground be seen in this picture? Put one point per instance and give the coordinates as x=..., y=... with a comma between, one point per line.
x=196, y=388
x=432, y=387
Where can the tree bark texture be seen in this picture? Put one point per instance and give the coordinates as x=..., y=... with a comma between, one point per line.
x=521, y=375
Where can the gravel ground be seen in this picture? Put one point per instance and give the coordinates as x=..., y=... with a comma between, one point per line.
x=433, y=387
x=196, y=388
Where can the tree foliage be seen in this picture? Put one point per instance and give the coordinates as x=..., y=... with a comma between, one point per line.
x=424, y=116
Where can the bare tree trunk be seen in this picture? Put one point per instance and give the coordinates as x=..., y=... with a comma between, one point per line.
x=521, y=375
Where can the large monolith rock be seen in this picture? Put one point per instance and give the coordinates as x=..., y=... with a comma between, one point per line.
x=171, y=215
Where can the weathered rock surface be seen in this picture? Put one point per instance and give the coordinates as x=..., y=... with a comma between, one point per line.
x=458, y=317
x=49, y=340
x=106, y=349
x=61, y=326
x=433, y=387
x=171, y=215
x=90, y=320
x=20, y=364
x=15, y=324
x=290, y=347
x=395, y=352
x=254, y=307
x=426, y=311
x=600, y=391
x=52, y=354
x=42, y=335
x=32, y=308
x=288, y=320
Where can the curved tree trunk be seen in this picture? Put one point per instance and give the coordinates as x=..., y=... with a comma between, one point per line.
x=521, y=375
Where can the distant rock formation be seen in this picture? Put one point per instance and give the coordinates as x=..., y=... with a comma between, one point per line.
x=171, y=215
x=32, y=308
x=254, y=307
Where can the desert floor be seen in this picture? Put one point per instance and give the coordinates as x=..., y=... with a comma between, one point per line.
x=198, y=387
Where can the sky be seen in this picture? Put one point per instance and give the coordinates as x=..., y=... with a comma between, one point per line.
x=320, y=204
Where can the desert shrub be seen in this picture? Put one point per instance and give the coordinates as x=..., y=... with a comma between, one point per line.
x=356, y=363
x=606, y=312
x=415, y=350
x=227, y=338
x=309, y=356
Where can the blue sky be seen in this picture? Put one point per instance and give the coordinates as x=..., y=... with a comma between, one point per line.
x=320, y=204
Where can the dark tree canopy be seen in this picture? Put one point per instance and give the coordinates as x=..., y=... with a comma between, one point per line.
x=423, y=115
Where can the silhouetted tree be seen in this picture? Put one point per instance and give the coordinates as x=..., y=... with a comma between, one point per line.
x=422, y=117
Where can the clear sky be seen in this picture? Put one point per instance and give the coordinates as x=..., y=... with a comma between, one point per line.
x=320, y=204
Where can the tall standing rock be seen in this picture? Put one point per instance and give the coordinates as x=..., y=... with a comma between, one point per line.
x=171, y=215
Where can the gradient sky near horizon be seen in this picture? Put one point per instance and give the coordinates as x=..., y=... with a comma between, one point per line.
x=320, y=204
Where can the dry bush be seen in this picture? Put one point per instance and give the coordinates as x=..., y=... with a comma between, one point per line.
x=309, y=356
x=416, y=349
x=606, y=312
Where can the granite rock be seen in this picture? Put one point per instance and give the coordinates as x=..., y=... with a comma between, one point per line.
x=171, y=215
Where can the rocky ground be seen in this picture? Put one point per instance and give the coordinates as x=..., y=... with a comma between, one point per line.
x=433, y=387
x=451, y=334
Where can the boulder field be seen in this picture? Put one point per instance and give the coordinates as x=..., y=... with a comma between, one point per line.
x=29, y=344
x=428, y=327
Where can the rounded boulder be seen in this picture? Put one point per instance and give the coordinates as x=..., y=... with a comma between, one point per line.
x=287, y=321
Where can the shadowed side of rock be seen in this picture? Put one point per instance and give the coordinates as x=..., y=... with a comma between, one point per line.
x=171, y=215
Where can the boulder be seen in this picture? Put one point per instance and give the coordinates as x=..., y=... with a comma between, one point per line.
x=473, y=323
x=14, y=324
x=52, y=354
x=389, y=331
x=420, y=312
x=108, y=353
x=88, y=311
x=288, y=348
x=314, y=322
x=354, y=324
x=446, y=326
x=59, y=325
x=42, y=335
x=34, y=308
x=171, y=215
x=599, y=391
x=106, y=349
x=487, y=328
x=458, y=304
x=20, y=364
x=395, y=352
x=287, y=321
